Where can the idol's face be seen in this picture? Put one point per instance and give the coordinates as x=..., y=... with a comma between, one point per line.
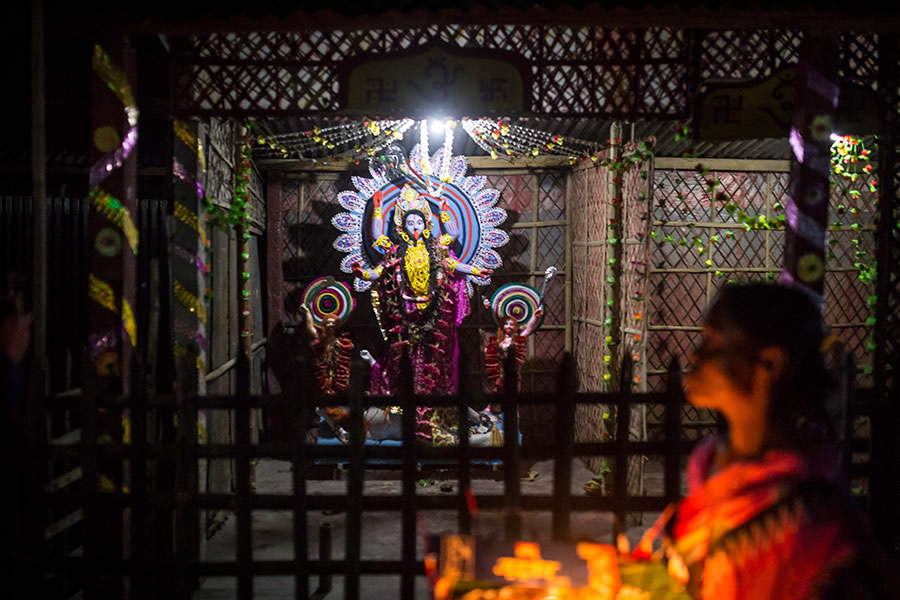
x=510, y=326
x=414, y=225
x=329, y=323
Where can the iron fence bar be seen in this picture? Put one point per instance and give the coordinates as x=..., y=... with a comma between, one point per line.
x=408, y=501
x=325, y=579
x=138, y=473
x=242, y=473
x=284, y=502
x=299, y=468
x=887, y=313
x=565, y=441
x=623, y=418
x=464, y=514
x=88, y=446
x=231, y=401
x=186, y=551
x=356, y=451
x=284, y=450
x=672, y=433
x=511, y=446
x=162, y=568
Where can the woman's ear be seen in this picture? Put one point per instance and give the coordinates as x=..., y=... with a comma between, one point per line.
x=774, y=360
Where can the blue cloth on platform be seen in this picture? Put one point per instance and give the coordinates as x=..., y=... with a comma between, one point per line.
x=327, y=437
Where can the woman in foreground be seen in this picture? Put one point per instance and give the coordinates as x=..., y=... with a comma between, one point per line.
x=767, y=514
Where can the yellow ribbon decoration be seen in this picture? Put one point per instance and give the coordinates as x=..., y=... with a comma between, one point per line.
x=190, y=301
x=130, y=324
x=102, y=293
x=190, y=140
x=181, y=352
x=187, y=216
x=116, y=81
x=111, y=208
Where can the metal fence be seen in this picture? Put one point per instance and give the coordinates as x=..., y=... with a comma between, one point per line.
x=161, y=496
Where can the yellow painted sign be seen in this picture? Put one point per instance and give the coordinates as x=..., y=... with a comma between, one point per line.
x=438, y=81
x=764, y=108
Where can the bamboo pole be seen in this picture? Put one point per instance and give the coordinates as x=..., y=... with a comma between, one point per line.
x=570, y=275
x=38, y=182
x=614, y=184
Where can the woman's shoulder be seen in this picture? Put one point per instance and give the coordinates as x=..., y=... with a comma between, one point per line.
x=700, y=462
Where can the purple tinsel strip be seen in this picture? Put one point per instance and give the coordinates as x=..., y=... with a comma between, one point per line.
x=796, y=141
x=818, y=83
x=186, y=331
x=804, y=225
x=113, y=159
x=189, y=257
x=181, y=172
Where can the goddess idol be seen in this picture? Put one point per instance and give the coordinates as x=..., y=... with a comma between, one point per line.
x=419, y=241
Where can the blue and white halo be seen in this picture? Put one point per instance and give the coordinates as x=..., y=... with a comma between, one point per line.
x=472, y=209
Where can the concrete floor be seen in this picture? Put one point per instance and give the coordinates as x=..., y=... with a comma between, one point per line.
x=272, y=530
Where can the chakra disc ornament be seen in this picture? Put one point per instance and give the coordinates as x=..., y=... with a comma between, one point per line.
x=326, y=297
x=515, y=300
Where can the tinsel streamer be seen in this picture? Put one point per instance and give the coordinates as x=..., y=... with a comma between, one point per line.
x=115, y=81
x=186, y=216
x=346, y=136
x=188, y=257
x=112, y=209
x=181, y=173
x=189, y=332
x=190, y=302
x=113, y=159
x=128, y=322
x=181, y=352
x=101, y=292
x=183, y=133
x=98, y=344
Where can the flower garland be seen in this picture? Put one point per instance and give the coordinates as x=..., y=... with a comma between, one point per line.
x=239, y=216
x=620, y=164
x=352, y=142
x=851, y=165
x=498, y=138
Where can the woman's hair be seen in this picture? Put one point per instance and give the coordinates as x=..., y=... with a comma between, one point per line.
x=759, y=315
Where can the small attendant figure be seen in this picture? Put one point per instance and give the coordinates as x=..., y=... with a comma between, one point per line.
x=327, y=304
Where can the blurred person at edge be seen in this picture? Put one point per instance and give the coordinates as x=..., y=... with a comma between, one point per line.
x=768, y=515
x=15, y=337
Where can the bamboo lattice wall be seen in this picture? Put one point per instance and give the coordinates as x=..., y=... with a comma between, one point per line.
x=699, y=246
x=609, y=292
